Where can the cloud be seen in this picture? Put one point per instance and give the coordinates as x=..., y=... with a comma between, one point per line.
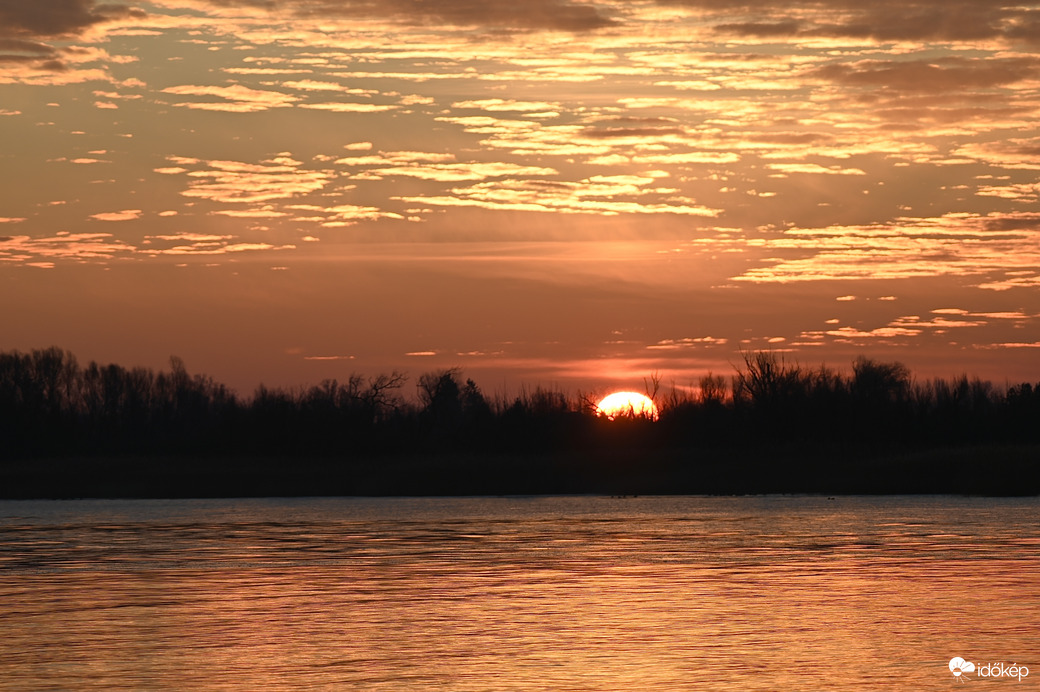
x=882, y=20
x=735, y=99
x=235, y=98
x=914, y=326
x=952, y=245
x=434, y=166
x=506, y=105
x=1017, y=315
x=530, y=15
x=788, y=168
x=349, y=107
x=1018, y=192
x=1012, y=280
x=602, y=196
x=937, y=75
x=939, y=324
x=262, y=190
x=314, y=85
x=193, y=237
x=62, y=246
x=1013, y=344
x=204, y=244
x=1022, y=153
x=24, y=26
x=762, y=29
x=350, y=214
x=639, y=134
x=879, y=333
x=392, y=157
x=239, y=182
x=532, y=137
x=125, y=215
x=57, y=17
x=266, y=213
x=687, y=343
x=455, y=172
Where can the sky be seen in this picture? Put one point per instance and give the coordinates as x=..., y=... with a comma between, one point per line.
x=565, y=193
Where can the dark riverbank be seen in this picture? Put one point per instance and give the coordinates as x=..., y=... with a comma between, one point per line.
x=772, y=427
x=983, y=470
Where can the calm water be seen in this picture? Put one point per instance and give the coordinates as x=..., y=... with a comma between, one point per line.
x=547, y=593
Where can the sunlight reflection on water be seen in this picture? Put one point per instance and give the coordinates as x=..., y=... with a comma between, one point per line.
x=539, y=593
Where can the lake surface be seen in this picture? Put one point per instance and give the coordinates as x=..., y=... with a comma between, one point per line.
x=542, y=593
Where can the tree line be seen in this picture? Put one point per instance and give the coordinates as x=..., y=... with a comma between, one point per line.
x=51, y=406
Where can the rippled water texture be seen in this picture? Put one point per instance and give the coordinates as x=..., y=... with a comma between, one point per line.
x=576, y=593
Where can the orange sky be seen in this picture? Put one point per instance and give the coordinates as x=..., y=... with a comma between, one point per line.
x=562, y=192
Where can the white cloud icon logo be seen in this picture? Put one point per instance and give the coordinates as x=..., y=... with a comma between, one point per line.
x=958, y=665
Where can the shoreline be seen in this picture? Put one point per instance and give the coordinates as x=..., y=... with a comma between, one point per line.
x=984, y=470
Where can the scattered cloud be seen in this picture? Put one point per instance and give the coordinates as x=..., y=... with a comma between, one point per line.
x=455, y=172
x=25, y=249
x=879, y=333
x=601, y=195
x=1013, y=344
x=315, y=85
x=812, y=168
x=507, y=105
x=687, y=343
x=343, y=107
x=232, y=99
x=955, y=244
x=205, y=244
x=239, y=182
x=125, y=215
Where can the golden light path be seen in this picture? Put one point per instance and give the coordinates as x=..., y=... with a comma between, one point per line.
x=628, y=404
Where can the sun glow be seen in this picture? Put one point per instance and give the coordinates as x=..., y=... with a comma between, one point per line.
x=627, y=404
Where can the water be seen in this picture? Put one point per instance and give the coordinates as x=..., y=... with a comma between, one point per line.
x=546, y=593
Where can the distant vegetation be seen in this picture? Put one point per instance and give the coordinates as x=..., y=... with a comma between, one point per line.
x=771, y=419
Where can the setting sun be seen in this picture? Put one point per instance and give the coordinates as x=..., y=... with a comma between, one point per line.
x=628, y=404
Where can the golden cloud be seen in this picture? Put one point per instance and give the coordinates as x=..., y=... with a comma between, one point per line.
x=234, y=99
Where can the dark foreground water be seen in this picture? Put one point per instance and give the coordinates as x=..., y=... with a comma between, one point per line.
x=545, y=593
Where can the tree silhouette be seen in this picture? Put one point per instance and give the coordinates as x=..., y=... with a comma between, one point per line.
x=779, y=414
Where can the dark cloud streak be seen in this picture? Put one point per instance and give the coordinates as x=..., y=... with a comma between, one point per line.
x=53, y=18
x=634, y=132
x=24, y=21
x=948, y=74
x=883, y=20
x=762, y=29
x=492, y=15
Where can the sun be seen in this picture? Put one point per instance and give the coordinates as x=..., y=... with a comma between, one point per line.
x=627, y=404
